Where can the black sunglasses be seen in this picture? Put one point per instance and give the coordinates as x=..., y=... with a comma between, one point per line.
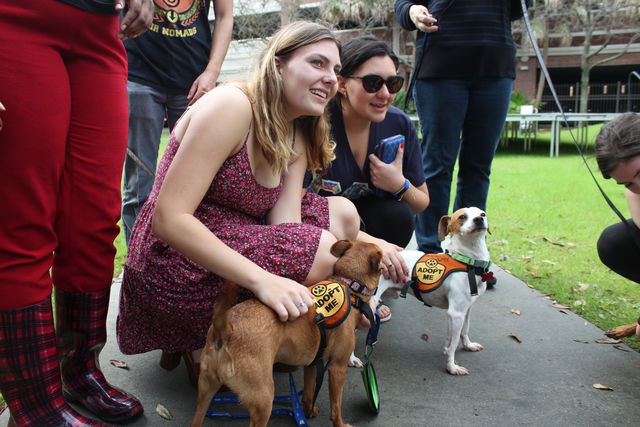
x=373, y=82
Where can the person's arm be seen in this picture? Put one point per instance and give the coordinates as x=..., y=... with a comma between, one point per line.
x=390, y=257
x=633, y=201
x=411, y=15
x=221, y=37
x=137, y=19
x=389, y=177
x=288, y=207
x=211, y=131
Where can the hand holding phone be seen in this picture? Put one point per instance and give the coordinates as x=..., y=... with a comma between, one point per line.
x=387, y=149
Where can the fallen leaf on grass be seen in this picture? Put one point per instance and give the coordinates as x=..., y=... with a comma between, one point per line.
x=582, y=341
x=535, y=267
x=534, y=275
x=608, y=341
x=526, y=259
x=163, y=412
x=546, y=239
x=119, y=364
x=515, y=311
x=581, y=287
x=602, y=387
x=579, y=302
x=515, y=337
x=533, y=242
x=571, y=244
x=424, y=337
x=549, y=262
x=530, y=286
x=556, y=305
x=563, y=312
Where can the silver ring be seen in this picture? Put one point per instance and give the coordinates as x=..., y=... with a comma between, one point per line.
x=302, y=304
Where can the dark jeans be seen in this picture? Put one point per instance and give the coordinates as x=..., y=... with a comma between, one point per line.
x=460, y=119
x=147, y=110
x=387, y=219
x=619, y=252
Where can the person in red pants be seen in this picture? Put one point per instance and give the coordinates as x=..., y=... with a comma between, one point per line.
x=63, y=136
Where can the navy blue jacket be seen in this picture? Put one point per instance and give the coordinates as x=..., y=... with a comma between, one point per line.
x=474, y=38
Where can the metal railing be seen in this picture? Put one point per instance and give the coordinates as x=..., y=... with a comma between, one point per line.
x=617, y=97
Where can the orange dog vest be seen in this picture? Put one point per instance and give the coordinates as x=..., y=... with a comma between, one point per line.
x=332, y=302
x=431, y=270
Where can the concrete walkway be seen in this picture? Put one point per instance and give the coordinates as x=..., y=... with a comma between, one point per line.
x=545, y=380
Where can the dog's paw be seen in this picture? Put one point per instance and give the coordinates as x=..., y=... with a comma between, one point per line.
x=355, y=362
x=457, y=370
x=312, y=412
x=473, y=346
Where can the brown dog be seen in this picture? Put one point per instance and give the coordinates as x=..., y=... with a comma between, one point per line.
x=246, y=340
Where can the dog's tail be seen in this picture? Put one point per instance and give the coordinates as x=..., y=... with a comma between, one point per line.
x=226, y=300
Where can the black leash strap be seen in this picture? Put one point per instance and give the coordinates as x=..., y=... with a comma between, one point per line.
x=473, y=284
x=321, y=367
x=633, y=232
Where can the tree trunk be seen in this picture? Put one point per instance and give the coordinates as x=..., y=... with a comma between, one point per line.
x=288, y=11
x=545, y=57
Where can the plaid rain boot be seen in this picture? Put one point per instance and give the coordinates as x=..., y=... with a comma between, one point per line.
x=30, y=372
x=82, y=333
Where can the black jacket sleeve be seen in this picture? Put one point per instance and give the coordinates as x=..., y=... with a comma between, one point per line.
x=402, y=13
x=516, y=9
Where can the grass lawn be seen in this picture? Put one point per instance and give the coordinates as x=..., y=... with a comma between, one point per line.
x=546, y=215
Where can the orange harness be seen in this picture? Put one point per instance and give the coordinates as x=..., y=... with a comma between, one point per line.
x=432, y=269
x=332, y=301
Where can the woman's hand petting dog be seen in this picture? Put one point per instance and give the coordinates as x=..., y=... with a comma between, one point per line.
x=287, y=298
x=392, y=266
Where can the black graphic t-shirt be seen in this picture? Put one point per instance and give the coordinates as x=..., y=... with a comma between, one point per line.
x=175, y=49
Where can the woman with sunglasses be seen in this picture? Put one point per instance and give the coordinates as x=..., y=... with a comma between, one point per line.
x=386, y=195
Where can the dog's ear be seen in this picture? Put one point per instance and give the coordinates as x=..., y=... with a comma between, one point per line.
x=340, y=247
x=442, y=227
x=374, y=261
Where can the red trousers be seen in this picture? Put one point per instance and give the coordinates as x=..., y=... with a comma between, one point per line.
x=63, y=79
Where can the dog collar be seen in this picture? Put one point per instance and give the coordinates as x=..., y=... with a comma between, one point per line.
x=358, y=287
x=484, y=265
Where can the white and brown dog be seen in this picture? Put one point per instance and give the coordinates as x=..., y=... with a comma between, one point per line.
x=453, y=280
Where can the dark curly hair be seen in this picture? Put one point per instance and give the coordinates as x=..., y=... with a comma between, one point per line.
x=359, y=50
x=618, y=141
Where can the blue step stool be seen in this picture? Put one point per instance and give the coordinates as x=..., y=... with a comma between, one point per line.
x=294, y=412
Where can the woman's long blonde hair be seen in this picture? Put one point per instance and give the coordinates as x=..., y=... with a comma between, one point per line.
x=273, y=130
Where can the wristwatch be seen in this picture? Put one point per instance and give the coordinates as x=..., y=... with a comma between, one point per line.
x=403, y=190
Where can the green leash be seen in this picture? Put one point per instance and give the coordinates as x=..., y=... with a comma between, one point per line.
x=368, y=372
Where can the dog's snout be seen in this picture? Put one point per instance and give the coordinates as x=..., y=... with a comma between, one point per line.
x=479, y=220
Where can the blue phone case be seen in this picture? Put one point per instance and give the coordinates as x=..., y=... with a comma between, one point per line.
x=387, y=149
